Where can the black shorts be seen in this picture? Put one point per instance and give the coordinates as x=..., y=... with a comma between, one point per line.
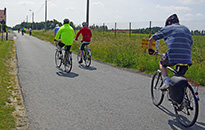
x=164, y=61
x=67, y=47
x=180, y=69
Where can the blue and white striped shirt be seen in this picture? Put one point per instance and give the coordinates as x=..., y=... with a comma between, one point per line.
x=179, y=41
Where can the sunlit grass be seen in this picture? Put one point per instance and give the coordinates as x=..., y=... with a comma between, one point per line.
x=7, y=121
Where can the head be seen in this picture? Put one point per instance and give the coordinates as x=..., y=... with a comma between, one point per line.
x=57, y=25
x=171, y=20
x=66, y=21
x=84, y=24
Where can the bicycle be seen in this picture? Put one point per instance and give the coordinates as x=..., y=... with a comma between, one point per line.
x=186, y=112
x=66, y=59
x=86, y=54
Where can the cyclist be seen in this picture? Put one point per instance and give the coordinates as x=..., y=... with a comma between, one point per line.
x=30, y=31
x=66, y=34
x=19, y=29
x=87, y=34
x=22, y=30
x=179, y=41
x=56, y=29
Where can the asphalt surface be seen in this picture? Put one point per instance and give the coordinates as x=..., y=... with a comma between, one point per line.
x=100, y=97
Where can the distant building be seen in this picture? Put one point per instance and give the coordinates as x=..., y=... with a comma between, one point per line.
x=3, y=15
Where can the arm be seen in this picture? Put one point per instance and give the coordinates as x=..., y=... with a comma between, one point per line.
x=58, y=34
x=150, y=50
x=78, y=34
x=90, y=34
x=151, y=40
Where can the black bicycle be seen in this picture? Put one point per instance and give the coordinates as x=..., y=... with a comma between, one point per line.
x=186, y=112
x=86, y=54
x=66, y=60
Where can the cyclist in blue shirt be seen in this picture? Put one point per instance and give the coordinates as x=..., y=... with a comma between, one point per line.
x=56, y=29
x=179, y=41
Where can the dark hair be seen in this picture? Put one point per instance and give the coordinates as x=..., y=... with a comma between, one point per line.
x=66, y=21
x=172, y=19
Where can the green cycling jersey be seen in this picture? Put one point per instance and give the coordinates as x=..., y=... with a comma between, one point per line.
x=66, y=34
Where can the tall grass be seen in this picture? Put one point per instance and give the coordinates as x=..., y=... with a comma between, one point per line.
x=6, y=119
x=125, y=51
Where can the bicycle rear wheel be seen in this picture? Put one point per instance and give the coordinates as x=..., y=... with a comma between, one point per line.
x=58, y=60
x=87, y=59
x=156, y=93
x=187, y=113
x=68, y=63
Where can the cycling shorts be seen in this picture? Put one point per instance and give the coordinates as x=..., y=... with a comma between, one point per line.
x=83, y=43
x=67, y=47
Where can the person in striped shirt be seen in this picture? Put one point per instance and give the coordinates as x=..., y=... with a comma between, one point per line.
x=179, y=42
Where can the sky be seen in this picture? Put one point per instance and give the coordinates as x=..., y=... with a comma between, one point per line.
x=191, y=13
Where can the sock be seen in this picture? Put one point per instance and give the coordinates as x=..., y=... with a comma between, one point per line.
x=166, y=80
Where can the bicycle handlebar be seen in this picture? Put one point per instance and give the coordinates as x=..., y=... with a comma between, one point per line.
x=157, y=53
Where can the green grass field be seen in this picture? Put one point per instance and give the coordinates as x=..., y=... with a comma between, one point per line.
x=126, y=52
x=7, y=121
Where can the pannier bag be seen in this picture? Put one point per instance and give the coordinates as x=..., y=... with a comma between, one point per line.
x=177, y=88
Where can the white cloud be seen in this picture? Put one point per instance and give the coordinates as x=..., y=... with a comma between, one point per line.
x=25, y=2
x=51, y=4
x=97, y=3
x=173, y=8
x=70, y=9
x=199, y=15
x=188, y=15
x=189, y=2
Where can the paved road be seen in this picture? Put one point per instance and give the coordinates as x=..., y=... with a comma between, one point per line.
x=101, y=97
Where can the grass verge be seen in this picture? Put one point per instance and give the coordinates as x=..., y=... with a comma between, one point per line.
x=12, y=110
x=7, y=121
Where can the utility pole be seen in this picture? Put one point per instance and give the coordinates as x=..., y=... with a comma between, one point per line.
x=26, y=21
x=130, y=29
x=32, y=19
x=87, y=18
x=150, y=28
x=45, y=14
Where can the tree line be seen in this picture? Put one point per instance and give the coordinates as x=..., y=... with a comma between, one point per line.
x=51, y=24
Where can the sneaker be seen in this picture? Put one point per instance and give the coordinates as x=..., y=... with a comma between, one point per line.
x=164, y=87
x=81, y=61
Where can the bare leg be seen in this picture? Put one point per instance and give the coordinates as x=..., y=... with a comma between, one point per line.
x=164, y=70
x=59, y=48
x=165, y=77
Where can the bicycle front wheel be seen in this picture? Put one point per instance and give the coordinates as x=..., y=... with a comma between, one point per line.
x=156, y=93
x=68, y=64
x=187, y=112
x=58, y=60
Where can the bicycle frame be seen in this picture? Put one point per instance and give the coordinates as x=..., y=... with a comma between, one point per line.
x=187, y=111
x=66, y=59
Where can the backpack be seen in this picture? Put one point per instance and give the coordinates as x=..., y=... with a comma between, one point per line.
x=177, y=88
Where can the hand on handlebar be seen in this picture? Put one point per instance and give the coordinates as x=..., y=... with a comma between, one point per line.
x=151, y=51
